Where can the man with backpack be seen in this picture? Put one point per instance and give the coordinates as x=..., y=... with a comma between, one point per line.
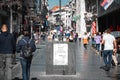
x=26, y=47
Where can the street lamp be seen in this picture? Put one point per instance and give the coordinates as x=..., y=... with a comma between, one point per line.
x=11, y=18
x=59, y=16
x=60, y=5
x=31, y=20
x=31, y=28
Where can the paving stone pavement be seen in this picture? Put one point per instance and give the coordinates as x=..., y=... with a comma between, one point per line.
x=87, y=66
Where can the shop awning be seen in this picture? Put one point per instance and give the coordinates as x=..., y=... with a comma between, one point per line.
x=116, y=33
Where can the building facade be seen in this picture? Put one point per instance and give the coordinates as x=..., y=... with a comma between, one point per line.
x=74, y=18
x=91, y=15
x=10, y=13
x=18, y=14
x=109, y=15
x=60, y=17
x=80, y=23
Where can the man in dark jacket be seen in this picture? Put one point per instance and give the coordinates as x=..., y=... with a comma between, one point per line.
x=7, y=48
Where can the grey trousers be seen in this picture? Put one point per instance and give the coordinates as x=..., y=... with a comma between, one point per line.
x=6, y=66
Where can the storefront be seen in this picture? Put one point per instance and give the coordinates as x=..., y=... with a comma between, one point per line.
x=109, y=17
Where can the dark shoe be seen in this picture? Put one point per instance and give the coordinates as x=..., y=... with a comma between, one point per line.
x=105, y=68
x=102, y=67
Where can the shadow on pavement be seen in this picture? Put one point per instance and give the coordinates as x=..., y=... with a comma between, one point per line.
x=115, y=77
x=16, y=78
x=34, y=79
x=21, y=79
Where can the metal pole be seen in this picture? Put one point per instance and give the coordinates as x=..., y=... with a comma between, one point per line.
x=97, y=17
x=60, y=4
x=31, y=28
x=11, y=19
x=60, y=9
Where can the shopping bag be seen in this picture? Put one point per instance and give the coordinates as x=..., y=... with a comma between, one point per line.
x=114, y=60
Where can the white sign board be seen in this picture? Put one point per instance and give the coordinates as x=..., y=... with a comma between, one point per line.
x=60, y=54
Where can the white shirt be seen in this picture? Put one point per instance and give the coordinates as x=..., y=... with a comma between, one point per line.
x=109, y=39
x=71, y=38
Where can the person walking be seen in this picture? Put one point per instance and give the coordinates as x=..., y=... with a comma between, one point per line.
x=7, y=49
x=109, y=47
x=85, y=40
x=76, y=37
x=24, y=59
x=97, y=41
x=71, y=37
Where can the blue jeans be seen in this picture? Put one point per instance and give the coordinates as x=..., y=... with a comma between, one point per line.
x=107, y=57
x=97, y=47
x=25, y=64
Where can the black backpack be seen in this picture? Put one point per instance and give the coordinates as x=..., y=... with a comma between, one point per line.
x=26, y=49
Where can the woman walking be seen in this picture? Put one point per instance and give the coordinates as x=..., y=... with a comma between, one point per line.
x=85, y=40
x=24, y=58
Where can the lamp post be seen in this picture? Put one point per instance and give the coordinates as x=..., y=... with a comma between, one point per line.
x=11, y=18
x=60, y=5
x=60, y=12
x=31, y=20
x=31, y=27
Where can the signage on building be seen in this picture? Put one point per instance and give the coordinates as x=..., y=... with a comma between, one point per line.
x=106, y=3
x=94, y=27
x=88, y=25
x=76, y=17
x=114, y=28
x=60, y=54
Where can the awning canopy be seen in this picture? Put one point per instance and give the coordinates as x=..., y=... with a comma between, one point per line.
x=116, y=33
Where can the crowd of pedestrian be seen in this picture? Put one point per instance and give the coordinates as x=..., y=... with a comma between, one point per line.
x=105, y=44
x=11, y=43
x=9, y=46
x=66, y=36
